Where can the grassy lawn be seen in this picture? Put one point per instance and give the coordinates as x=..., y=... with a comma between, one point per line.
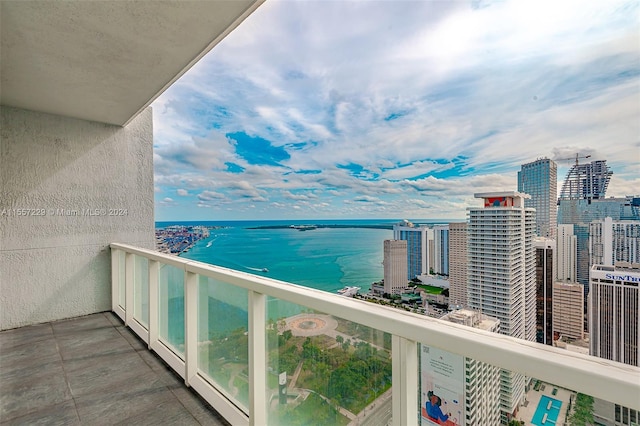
x=431, y=289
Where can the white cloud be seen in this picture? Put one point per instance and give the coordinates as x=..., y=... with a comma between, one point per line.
x=458, y=94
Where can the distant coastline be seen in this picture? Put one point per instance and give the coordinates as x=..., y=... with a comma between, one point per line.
x=314, y=226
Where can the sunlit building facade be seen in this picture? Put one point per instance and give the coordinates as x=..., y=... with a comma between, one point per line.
x=395, y=266
x=501, y=280
x=441, y=249
x=612, y=241
x=458, y=264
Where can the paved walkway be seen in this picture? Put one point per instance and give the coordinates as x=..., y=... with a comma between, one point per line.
x=91, y=371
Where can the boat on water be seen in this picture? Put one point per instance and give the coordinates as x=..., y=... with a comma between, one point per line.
x=348, y=291
x=264, y=270
x=209, y=243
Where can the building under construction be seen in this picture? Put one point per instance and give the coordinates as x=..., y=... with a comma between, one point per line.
x=587, y=181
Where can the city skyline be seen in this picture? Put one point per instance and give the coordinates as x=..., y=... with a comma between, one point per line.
x=341, y=110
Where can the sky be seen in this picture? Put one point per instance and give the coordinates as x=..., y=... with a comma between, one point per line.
x=396, y=109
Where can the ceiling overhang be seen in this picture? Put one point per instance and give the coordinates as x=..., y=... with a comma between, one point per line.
x=105, y=61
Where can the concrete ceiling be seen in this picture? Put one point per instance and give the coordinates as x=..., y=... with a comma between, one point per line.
x=105, y=61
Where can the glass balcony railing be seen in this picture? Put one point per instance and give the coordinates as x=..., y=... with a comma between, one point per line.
x=266, y=352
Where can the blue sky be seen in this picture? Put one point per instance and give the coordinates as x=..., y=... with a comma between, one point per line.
x=396, y=109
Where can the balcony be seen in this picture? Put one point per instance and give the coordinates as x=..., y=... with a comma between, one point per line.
x=167, y=302
x=174, y=307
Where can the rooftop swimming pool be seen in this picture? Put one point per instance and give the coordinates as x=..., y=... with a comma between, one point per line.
x=547, y=412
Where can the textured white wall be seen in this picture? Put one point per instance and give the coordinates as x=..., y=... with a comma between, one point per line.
x=87, y=185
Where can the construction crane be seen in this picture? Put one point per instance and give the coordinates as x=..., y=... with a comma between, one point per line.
x=576, y=158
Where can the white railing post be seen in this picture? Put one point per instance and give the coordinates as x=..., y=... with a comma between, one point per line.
x=190, y=326
x=154, y=275
x=405, y=405
x=257, y=359
x=115, y=279
x=129, y=262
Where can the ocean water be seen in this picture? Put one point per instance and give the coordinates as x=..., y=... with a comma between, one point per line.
x=323, y=258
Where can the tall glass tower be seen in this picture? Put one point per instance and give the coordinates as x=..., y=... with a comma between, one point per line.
x=539, y=179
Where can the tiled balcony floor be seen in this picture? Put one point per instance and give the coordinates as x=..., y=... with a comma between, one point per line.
x=91, y=371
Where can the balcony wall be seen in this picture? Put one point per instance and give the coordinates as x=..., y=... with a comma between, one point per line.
x=68, y=187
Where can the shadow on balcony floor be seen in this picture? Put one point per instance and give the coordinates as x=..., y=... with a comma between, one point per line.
x=88, y=371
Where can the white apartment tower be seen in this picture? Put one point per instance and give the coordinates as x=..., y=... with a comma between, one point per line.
x=441, y=249
x=566, y=254
x=458, y=264
x=417, y=247
x=539, y=179
x=612, y=241
x=501, y=274
x=482, y=380
x=395, y=266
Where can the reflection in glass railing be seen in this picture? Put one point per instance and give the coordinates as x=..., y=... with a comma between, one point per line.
x=326, y=370
x=121, y=279
x=171, y=308
x=141, y=290
x=223, y=342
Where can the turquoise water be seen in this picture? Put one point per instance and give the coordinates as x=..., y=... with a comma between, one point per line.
x=552, y=413
x=324, y=258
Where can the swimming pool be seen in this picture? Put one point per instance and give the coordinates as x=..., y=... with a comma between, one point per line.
x=547, y=412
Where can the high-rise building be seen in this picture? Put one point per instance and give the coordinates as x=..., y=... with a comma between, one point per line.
x=565, y=254
x=568, y=310
x=539, y=179
x=458, y=264
x=614, y=323
x=395, y=266
x=586, y=181
x=417, y=247
x=441, y=249
x=482, y=380
x=614, y=328
x=612, y=241
x=545, y=277
x=582, y=200
x=501, y=280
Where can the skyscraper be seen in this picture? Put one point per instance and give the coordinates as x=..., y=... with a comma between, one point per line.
x=614, y=328
x=395, y=266
x=501, y=274
x=565, y=254
x=545, y=277
x=612, y=241
x=417, y=247
x=441, y=249
x=582, y=200
x=614, y=302
x=588, y=181
x=539, y=179
x=568, y=310
x=458, y=264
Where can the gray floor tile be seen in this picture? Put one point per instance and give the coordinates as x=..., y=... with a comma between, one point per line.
x=113, y=408
x=91, y=371
x=9, y=339
x=29, y=355
x=20, y=395
x=64, y=414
